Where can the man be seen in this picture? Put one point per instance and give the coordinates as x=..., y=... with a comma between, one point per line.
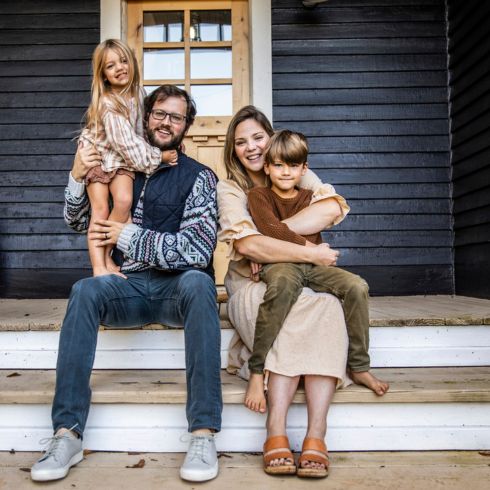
x=166, y=258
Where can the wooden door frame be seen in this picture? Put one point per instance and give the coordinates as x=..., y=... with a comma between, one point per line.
x=112, y=25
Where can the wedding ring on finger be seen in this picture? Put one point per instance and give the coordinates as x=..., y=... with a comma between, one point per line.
x=106, y=236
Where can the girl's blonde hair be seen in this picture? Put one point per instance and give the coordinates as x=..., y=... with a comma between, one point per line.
x=234, y=169
x=102, y=89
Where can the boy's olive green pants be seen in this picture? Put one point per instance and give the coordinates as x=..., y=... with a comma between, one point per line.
x=285, y=282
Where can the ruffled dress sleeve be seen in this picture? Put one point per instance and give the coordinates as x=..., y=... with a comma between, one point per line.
x=235, y=221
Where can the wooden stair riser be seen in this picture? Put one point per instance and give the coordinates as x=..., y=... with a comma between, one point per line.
x=352, y=427
x=415, y=346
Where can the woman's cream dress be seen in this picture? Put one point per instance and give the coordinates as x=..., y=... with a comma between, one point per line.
x=313, y=339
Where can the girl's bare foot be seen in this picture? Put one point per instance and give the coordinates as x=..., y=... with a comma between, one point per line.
x=255, y=398
x=102, y=271
x=367, y=379
x=110, y=264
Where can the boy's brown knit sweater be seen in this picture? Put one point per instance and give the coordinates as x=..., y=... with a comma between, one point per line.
x=268, y=209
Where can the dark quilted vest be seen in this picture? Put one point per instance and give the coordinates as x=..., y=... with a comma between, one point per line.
x=164, y=200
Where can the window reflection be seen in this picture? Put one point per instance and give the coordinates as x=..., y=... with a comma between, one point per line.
x=211, y=25
x=167, y=64
x=159, y=27
x=213, y=100
x=211, y=63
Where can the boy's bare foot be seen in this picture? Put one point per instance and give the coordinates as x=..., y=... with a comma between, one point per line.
x=255, y=398
x=367, y=379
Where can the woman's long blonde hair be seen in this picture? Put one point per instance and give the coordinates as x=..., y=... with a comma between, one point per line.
x=102, y=89
x=234, y=169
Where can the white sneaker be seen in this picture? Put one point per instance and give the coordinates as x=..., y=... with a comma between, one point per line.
x=201, y=461
x=63, y=452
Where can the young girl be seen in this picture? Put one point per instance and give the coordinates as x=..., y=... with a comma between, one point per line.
x=114, y=125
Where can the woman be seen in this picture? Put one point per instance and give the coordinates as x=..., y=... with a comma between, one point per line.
x=316, y=322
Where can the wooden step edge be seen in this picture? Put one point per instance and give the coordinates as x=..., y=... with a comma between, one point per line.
x=55, y=327
x=407, y=385
x=21, y=325
x=47, y=314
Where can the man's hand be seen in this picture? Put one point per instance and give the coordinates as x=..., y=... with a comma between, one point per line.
x=323, y=255
x=106, y=232
x=254, y=271
x=86, y=158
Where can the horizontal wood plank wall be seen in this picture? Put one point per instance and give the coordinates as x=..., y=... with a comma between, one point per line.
x=45, y=51
x=469, y=67
x=366, y=82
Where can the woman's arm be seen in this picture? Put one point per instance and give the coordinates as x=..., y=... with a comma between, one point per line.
x=266, y=250
x=239, y=231
x=315, y=218
x=326, y=210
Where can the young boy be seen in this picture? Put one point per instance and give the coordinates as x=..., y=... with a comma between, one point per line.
x=285, y=164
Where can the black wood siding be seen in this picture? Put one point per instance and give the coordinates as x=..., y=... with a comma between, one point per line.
x=469, y=65
x=366, y=81
x=45, y=51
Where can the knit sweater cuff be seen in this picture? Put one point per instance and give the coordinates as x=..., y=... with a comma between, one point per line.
x=77, y=189
x=125, y=237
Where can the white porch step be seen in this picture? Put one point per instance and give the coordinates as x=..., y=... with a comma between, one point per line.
x=405, y=332
x=425, y=409
x=413, y=346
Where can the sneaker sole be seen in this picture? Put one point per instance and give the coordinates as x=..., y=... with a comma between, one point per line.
x=203, y=475
x=47, y=475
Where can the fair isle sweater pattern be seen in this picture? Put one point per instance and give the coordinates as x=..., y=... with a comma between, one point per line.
x=76, y=211
x=192, y=246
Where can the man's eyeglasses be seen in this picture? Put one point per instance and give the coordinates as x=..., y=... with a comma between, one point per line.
x=173, y=116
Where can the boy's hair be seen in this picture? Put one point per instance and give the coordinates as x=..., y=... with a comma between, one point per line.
x=163, y=93
x=101, y=88
x=288, y=147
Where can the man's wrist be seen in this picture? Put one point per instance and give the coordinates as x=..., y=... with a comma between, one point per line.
x=77, y=188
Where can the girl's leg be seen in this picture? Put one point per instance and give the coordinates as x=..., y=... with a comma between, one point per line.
x=121, y=188
x=98, y=195
x=281, y=390
x=319, y=391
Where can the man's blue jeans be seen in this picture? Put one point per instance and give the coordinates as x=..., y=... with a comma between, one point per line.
x=185, y=299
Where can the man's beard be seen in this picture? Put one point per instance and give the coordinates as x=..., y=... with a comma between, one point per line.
x=173, y=144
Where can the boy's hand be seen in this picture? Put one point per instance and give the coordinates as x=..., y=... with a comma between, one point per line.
x=255, y=271
x=324, y=255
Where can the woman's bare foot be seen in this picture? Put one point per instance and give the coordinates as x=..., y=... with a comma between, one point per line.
x=312, y=464
x=367, y=379
x=255, y=398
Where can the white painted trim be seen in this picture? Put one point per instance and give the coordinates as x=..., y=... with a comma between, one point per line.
x=260, y=29
x=110, y=19
x=260, y=45
x=164, y=349
x=351, y=427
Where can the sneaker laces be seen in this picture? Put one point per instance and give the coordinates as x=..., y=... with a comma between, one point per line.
x=198, y=448
x=51, y=444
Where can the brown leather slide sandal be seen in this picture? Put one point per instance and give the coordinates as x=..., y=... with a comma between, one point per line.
x=277, y=447
x=313, y=450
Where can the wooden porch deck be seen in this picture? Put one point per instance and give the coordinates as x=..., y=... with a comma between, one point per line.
x=47, y=314
x=453, y=470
